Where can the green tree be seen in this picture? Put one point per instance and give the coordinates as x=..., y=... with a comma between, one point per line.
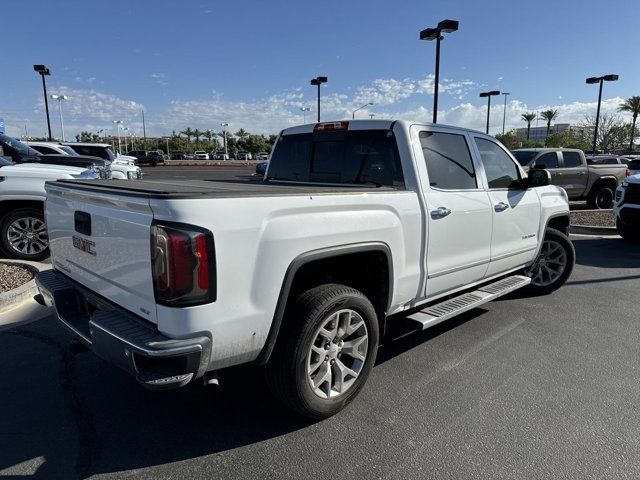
x=549, y=115
x=528, y=117
x=187, y=132
x=509, y=139
x=632, y=106
x=242, y=134
x=566, y=139
x=197, y=134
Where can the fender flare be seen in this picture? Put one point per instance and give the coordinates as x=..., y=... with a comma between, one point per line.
x=308, y=257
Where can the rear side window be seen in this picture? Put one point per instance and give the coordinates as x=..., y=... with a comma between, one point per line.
x=351, y=157
x=500, y=169
x=448, y=160
x=571, y=159
x=45, y=150
x=547, y=160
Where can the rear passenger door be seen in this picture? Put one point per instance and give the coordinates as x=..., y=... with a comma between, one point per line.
x=515, y=211
x=457, y=209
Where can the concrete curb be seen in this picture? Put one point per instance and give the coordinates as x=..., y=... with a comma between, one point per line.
x=587, y=230
x=23, y=293
x=208, y=163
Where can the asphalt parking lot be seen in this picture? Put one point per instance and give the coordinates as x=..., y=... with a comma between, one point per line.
x=541, y=387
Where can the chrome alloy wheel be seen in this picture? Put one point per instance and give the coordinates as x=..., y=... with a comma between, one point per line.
x=550, y=264
x=604, y=199
x=337, y=353
x=28, y=236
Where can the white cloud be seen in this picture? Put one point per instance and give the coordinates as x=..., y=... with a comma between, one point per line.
x=89, y=109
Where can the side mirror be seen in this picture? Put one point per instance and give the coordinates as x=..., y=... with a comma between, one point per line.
x=538, y=178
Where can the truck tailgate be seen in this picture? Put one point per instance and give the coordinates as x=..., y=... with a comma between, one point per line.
x=102, y=241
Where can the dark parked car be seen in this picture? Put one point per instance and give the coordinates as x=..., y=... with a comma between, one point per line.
x=19, y=152
x=152, y=157
x=178, y=155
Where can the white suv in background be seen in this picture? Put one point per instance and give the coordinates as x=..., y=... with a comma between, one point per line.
x=122, y=167
x=200, y=155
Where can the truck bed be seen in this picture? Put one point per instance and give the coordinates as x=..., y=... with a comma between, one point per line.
x=178, y=189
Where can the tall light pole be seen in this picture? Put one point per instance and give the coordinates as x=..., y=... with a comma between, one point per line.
x=489, y=95
x=42, y=70
x=504, y=112
x=125, y=130
x=353, y=114
x=445, y=26
x=224, y=136
x=591, y=80
x=118, y=124
x=304, y=111
x=319, y=81
x=60, y=98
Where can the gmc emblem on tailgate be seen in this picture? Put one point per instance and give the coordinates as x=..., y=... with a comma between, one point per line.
x=84, y=245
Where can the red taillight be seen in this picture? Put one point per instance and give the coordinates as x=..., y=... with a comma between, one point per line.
x=321, y=127
x=628, y=173
x=182, y=262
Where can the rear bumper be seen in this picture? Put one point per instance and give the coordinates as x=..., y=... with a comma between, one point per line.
x=121, y=338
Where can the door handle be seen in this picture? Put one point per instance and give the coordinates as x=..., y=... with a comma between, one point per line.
x=582, y=173
x=440, y=212
x=500, y=207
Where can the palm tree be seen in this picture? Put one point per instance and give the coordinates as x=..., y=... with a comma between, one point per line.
x=242, y=134
x=528, y=117
x=631, y=105
x=187, y=132
x=549, y=115
x=197, y=134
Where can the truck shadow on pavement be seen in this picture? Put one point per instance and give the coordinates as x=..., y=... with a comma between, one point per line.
x=70, y=415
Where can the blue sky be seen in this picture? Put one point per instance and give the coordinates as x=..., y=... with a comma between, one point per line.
x=198, y=63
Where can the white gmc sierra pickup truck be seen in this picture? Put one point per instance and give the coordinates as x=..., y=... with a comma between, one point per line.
x=355, y=224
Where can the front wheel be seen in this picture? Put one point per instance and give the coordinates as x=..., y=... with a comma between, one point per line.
x=553, y=265
x=326, y=352
x=627, y=232
x=23, y=234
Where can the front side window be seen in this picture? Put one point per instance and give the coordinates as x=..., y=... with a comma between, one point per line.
x=547, y=160
x=500, y=169
x=572, y=159
x=448, y=161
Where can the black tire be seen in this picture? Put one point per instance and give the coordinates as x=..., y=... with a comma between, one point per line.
x=562, y=240
x=627, y=232
x=286, y=371
x=6, y=222
x=602, y=198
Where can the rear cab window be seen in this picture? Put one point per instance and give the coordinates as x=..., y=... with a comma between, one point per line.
x=571, y=159
x=448, y=161
x=338, y=157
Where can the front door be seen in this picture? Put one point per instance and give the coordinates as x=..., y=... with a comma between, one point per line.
x=458, y=211
x=516, y=212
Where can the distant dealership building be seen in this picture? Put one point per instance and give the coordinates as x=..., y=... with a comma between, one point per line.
x=539, y=133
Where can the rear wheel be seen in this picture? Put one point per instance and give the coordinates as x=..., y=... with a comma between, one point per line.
x=553, y=265
x=602, y=198
x=627, y=232
x=23, y=234
x=326, y=352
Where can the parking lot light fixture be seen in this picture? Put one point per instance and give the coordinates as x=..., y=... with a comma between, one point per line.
x=224, y=137
x=504, y=112
x=445, y=26
x=60, y=98
x=489, y=95
x=43, y=71
x=591, y=80
x=118, y=125
x=319, y=81
x=304, y=111
x=353, y=114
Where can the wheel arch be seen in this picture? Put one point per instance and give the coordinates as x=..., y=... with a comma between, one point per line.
x=312, y=261
x=609, y=181
x=12, y=204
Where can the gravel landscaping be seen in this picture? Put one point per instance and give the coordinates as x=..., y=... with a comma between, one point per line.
x=594, y=218
x=12, y=276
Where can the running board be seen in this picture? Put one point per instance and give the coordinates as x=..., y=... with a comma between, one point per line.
x=447, y=309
